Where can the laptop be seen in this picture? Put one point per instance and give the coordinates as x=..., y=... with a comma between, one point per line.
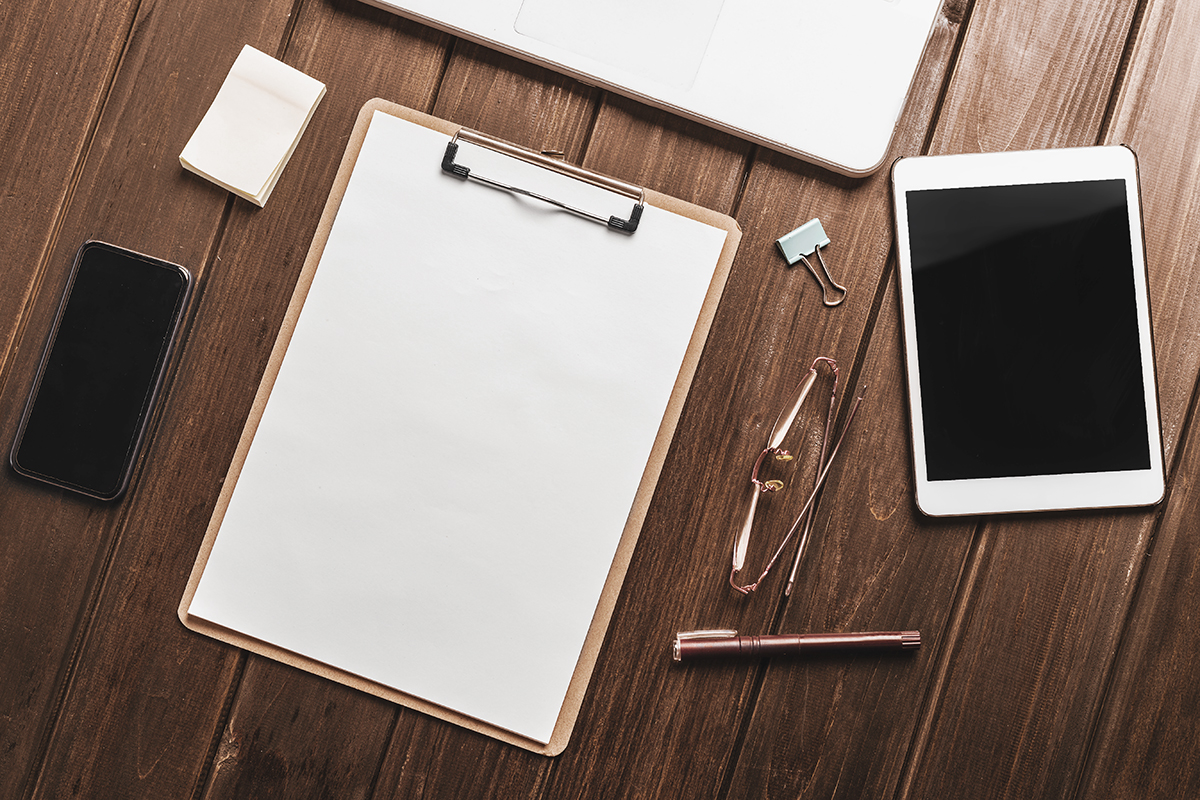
x=822, y=80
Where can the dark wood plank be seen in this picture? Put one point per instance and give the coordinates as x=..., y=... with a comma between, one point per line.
x=134, y=723
x=660, y=151
x=429, y=758
x=516, y=101
x=1023, y=667
x=1148, y=731
x=56, y=545
x=55, y=69
x=1033, y=77
x=294, y=735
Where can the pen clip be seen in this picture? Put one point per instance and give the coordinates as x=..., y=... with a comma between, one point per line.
x=717, y=634
x=685, y=636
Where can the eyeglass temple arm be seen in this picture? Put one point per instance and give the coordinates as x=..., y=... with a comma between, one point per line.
x=821, y=463
x=747, y=589
x=806, y=512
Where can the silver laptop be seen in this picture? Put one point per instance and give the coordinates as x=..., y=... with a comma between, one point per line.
x=823, y=80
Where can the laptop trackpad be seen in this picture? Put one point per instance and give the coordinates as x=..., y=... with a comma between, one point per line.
x=663, y=40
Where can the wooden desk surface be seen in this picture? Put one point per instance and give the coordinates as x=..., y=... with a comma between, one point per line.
x=1058, y=656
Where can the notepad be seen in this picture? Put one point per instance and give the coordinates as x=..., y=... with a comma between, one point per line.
x=252, y=127
x=442, y=481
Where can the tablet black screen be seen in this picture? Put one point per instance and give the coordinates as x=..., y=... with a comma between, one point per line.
x=1027, y=333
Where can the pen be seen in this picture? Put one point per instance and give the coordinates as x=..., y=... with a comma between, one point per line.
x=707, y=644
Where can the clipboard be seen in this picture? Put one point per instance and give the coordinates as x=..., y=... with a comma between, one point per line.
x=437, y=493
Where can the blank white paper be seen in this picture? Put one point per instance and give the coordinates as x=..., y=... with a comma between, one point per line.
x=444, y=469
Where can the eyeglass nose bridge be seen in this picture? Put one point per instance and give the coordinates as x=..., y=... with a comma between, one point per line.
x=774, y=484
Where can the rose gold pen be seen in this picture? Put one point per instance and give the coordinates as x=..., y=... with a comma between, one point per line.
x=708, y=644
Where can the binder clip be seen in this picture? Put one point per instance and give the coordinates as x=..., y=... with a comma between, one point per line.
x=796, y=246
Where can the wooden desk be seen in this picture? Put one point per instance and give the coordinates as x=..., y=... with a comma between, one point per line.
x=1058, y=648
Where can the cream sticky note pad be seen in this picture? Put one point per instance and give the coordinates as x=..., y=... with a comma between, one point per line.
x=253, y=125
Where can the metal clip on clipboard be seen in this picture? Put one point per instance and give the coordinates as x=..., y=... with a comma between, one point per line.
x=537, y=159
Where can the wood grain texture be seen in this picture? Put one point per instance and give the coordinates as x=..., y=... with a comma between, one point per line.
x=515, y=101
x=1149, y=729
x=1058, y=655
x=123, y=654
x=140, y=125
x=840, y=727
x=659, y=151
x=296, y=735
x=1033, y=76
x=1027, y=659
x=50, y=594
x=245, y=293
x=55, y=70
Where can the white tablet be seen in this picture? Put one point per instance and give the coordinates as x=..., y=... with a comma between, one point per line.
x=1027, y=335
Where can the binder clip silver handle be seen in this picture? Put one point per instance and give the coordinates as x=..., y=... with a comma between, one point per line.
x=803, y=242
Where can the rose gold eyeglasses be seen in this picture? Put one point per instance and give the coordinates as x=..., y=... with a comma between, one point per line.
x=760, y=487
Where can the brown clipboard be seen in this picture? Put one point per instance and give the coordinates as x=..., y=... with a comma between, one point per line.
x=615, y=576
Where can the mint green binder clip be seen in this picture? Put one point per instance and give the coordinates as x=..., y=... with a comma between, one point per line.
x=810, y=238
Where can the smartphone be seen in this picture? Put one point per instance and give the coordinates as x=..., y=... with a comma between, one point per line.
x=101, y=371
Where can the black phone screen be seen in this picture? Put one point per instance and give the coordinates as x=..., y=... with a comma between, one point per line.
x=101, y=370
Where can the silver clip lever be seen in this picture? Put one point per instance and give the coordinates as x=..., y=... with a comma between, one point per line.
x=636, y=193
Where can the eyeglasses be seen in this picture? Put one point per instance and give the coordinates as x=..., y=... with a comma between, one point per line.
x=773, y=449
